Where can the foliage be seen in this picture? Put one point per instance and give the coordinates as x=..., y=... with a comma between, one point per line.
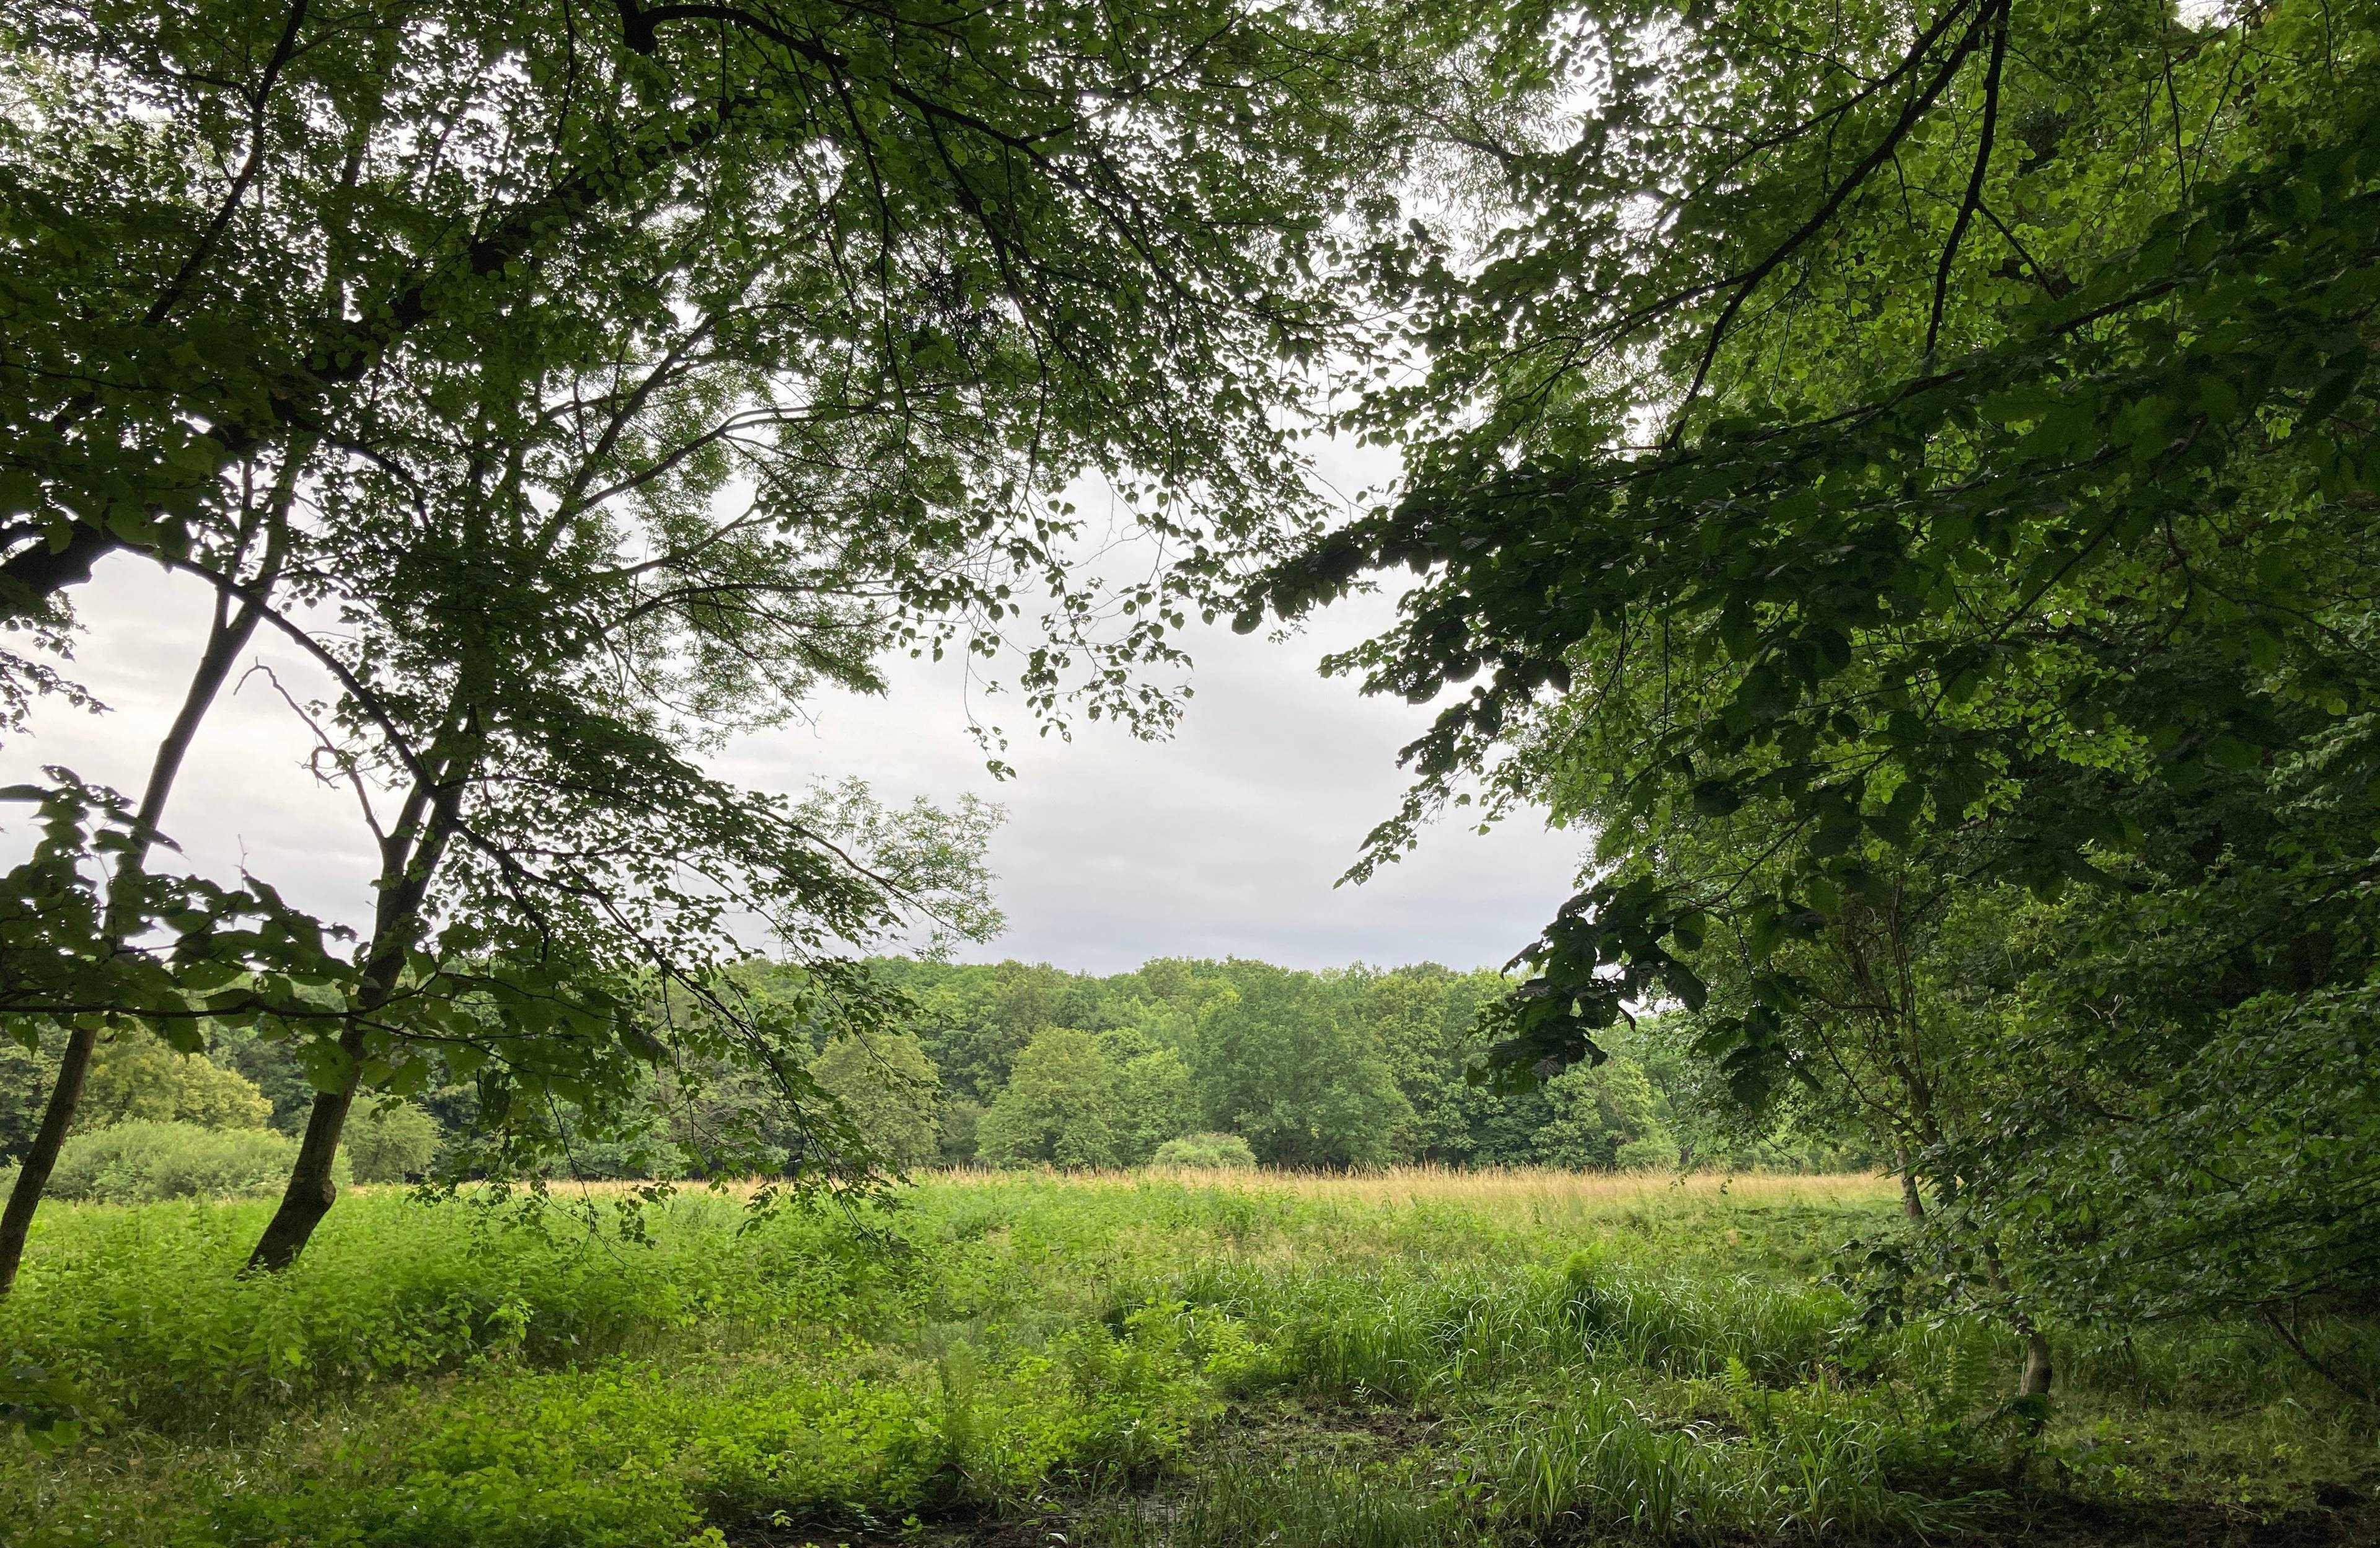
x=888, y=1086
x=1205, y=1152
x=1283, y=1068
x=138, y=1075
x=1419, y=1024
x=1622, y=1353
x=24, y=1077
x=391, y=1142
x=143, y=1160
x=1904, y=483
x=974, y=1022
x=1605, y=1115
x=1156, y=1097
x=961, y=1117
x=1060, y=1106
x=728, y=350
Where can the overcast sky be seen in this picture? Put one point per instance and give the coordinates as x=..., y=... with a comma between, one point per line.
x=1225, y=840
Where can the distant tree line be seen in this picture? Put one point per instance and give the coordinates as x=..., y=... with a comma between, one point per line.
x=1181, y=1061
x=1349, y=1068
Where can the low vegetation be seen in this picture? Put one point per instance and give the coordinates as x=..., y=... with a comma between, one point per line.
x=1405, y=1356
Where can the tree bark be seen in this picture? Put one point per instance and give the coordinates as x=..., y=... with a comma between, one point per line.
x=2038, y=1372
x=312, y=1191
x=226, y=636
x=33, y=1175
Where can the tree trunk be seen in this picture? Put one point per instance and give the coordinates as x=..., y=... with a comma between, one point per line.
x=1911, y=1204
x=2037, y=1369
x=409, y=858
x=226, y=636
x=310, y=1192
x=17, y=1221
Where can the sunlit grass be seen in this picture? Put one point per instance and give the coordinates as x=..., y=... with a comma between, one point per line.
x=1487, y=1185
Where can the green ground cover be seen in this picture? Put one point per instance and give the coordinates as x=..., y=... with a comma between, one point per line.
x=1119, y=1360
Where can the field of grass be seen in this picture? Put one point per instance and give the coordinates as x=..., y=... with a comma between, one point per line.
x=1406, y=1358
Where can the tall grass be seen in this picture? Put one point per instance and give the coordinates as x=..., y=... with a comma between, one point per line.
x=147, y=1308
x=1243, y=1497
x=1644, y=1360
x=1595, y=1459
x=1496, y=1187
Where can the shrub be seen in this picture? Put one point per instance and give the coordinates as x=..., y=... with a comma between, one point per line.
x=140, y=1162
x=1205, y=1150
x=1655, y=1153
x=390, y=1142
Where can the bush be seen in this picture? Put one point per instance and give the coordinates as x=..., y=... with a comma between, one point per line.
x=136, y=1077
x=1208, y=1150
x=389, y=1143
x=140, y=1162
x=1655, y=1153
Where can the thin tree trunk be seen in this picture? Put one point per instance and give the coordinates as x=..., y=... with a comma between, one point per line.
x=33, y=1174
x=410, y=859
x=2038, y=1372
x=1911, y=1204
x=312, y=1190
x=226, y=636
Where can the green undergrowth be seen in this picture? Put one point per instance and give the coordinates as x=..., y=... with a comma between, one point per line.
x=1669, y=1366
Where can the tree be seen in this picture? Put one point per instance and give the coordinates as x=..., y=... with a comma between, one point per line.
x=1425, y=1018
x=901, y=281
x=391, y=1142
x=962, y=1116
x=1060, y=1106
x=24, y=1077
x=270, y=1064
x=1155, y=1101
x=1605, y=1116
x=1284, y=1068
x=1868, y=510
x=137, y=1077
x=335, y=239
x=888, y=1086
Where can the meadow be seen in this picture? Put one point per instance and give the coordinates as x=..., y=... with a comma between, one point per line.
x=1130, y=1360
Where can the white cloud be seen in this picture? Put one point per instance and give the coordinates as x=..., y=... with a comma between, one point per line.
x=1224, y=840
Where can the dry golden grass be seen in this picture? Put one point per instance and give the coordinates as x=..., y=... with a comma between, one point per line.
x=1525, y=1192
x=1499, y=1186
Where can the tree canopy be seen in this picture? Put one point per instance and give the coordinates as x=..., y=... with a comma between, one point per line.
x=572, y=389
x=1903, y=481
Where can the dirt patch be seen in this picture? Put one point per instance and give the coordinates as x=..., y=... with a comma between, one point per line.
x=2344, y=1518
x=1375, y=1431
x=2343, y=1515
